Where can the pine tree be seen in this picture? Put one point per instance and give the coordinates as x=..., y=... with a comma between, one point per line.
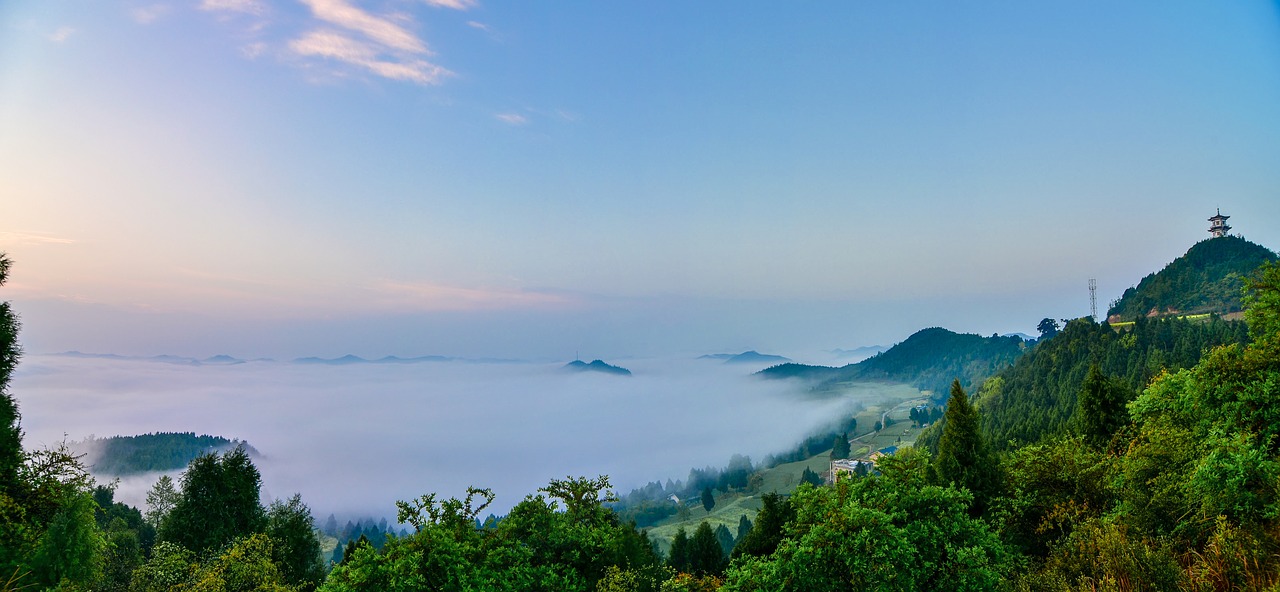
x=1100, y=407
x=678, y=558
x=708, y=499
x=840, y=448
x=962, y=455
x=11, y=454
x=705, y=556
x=744, y=527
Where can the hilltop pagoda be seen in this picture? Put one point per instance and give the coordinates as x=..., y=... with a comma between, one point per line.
x=1218, y=225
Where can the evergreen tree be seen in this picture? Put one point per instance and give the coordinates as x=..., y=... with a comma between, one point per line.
x=1100, y=407
x=962, y=455
x=840, y=448
x=725, y=538
x=11, y=454
x=767, y=531
x=708, y=499
x=1262, y=301
x=678, y=557
x=705, y=556
x=744, y=527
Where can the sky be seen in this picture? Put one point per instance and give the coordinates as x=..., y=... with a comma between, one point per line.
x=539, y=180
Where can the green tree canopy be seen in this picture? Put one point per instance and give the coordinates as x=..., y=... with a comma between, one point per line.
x=219, y=502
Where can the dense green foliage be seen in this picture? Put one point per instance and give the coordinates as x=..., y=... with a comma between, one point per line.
x=219, y=503
x=892, y=532
x=929, y=360
x=165, y=451
x=566, y=540
x=1036, y=398
x=1208, y=278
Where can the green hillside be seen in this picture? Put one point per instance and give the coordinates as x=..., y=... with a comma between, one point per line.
x=1036, y=397
x=164, y=451
x=1208, y=278
x=928, y=360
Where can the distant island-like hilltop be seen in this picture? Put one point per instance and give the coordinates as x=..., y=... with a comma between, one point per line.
x=596, y=366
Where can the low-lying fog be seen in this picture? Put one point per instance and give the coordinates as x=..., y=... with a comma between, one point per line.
x=353, y=439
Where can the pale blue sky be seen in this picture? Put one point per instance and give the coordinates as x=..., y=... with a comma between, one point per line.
x=530, y=179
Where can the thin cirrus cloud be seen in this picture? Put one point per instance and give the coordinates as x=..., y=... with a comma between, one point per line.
x=28, y=238
x=511, y=118
x=246, y=6
x=61, y=34
x=454, y=4
x=380, y=30
x=344, y=35
x=339, y=47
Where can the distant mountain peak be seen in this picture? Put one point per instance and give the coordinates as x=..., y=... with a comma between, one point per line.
x=749, y=357
x=596, y=366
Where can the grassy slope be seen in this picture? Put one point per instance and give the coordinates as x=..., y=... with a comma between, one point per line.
x=783, y=479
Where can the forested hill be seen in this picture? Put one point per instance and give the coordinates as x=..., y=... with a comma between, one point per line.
x=929, y=360
x=165, y=451
x=1035, y=399
x=1208, y=278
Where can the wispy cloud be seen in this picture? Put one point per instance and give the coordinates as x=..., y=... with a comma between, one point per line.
x=336, y=46
x=512, y=118
x=61, y=34
x=479, y=25
x=381, y=30
x=454, y=4
x=340, y=38
x=27, y=238
x=145, y=15
x=380, y=45
x=246, y=6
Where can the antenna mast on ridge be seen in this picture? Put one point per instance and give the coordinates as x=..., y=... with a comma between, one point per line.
x=1093, y=299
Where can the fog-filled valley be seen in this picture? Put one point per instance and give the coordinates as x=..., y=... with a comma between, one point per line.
x=353, y=439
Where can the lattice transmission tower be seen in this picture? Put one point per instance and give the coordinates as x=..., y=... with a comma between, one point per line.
x=1093, y=299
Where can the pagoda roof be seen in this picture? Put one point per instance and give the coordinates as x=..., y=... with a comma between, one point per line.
x=1218, y=216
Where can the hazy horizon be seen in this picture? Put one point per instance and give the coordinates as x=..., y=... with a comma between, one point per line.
x=490, y=178
x=354, y=439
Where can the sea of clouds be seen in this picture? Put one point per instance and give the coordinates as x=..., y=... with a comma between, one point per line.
x=353, y=439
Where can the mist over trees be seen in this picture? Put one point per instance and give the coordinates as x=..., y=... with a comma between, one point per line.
x=1151, y=462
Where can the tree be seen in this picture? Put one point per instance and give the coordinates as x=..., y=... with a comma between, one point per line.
x=1047, y=328
x=160, y=500
x=705, y=555
x=1262, y=303
x=1100, y=407
x=725, y=538
x=840, y=448
x=708, y=499
x=744, y=527
x=11, y=454
x=219, y=502
x=295, y=549
x=71, y=549
x=767, y=531
x=891, y=532
x=962, y=454
x=678, y=556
